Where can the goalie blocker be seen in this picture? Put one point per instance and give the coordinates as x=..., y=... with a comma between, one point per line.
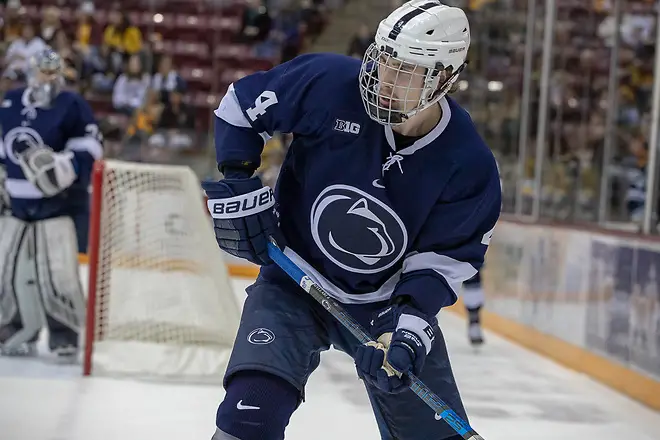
x=40, y=285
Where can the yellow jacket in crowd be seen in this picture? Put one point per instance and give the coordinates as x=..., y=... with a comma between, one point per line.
x=129, y=41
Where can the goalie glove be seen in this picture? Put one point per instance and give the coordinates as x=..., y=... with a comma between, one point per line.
x=405, y=337
x=49, y=171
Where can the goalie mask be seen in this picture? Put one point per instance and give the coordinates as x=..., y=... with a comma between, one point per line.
x=45, y=77
x=415, y=59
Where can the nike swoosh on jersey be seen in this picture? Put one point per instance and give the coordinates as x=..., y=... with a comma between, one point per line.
x=240, y=406
x=377, y=184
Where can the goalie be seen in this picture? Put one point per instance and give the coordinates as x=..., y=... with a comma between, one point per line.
x=49, y=143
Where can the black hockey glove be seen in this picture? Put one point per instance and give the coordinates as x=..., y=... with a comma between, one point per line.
x=243, y=217
x=405, y=337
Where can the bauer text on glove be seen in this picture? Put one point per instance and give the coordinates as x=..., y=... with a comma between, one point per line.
x=243, y=217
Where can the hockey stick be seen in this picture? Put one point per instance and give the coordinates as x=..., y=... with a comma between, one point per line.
x=417, y=386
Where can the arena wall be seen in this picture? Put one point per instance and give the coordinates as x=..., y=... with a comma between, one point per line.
x=587, y=299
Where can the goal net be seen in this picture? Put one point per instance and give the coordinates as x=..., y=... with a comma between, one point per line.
x=160, y=303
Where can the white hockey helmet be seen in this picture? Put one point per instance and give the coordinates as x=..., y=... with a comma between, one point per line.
x=45, y=76
x=416, y=57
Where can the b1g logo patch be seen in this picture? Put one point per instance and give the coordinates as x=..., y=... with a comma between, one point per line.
x=347, y=126
x=356, y=231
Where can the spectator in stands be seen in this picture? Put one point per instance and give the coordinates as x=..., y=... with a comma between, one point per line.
x=360, y=42
x=292, y=41
x=256, y=23
x=176, y=124
x=11, y=22
x=121, y=36
x=131, y=87
x=312, y=14
x=641, y=75
x=50, y=24
x=166, y=79
x=21, y=50
x=141, y=127
x=629, y=114
x=70, y=59
x=147, y=116
x=176, y=113
x=636, y=27
x=286, y=38
x=86, y=30
x=635, y=168
x=83, y=45
x=101, y=68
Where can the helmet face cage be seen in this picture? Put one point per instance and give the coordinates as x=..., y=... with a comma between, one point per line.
x=393, y=90
x=45, y=78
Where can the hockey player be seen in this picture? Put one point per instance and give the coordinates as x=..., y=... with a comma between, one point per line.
x=50, y=141
x=387, y=198
x=473, y=299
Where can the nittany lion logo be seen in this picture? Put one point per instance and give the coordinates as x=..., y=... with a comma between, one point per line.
x=19, y=139
x=356, y=231
x=261, y=336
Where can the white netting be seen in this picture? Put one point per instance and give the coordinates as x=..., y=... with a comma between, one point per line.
x=164, y=304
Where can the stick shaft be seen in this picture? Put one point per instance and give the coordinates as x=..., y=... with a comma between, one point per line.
x=337, y=311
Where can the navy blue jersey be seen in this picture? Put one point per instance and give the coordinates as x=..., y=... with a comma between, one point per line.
x=68, y=124
x=365, y=219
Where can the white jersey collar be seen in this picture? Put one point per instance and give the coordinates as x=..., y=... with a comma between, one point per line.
x=426, y=139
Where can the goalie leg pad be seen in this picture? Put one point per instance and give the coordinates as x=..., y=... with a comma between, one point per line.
x=257, y=406
x=59, y=280
x=12, y=231
x=5, y=203
x=21, y=313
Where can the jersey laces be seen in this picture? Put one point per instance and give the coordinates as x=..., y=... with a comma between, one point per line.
x=391, y=160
